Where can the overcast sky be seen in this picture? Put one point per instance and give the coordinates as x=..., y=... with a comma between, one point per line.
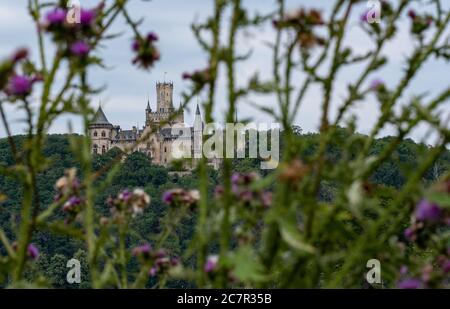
x=127, y=87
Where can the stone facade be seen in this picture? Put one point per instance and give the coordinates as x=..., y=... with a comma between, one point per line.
x=160, y=138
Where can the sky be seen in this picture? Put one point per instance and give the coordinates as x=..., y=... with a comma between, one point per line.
x=128, y=88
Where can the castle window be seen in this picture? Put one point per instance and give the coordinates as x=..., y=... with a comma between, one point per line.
x=95, y=148
x=95, y=133
x=103, y=149
x=103, y=133
x=165, y=149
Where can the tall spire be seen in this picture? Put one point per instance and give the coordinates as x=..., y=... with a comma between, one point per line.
x=148, y=106
x=198, y=122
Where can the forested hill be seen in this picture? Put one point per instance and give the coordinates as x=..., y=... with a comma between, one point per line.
x=137, y=171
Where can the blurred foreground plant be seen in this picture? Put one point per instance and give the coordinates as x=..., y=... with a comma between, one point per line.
x=271, y=231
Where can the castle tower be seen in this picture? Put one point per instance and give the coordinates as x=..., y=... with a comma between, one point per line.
x=198, y=134
x=164, y=97
x=100, y=131
x=148, y=112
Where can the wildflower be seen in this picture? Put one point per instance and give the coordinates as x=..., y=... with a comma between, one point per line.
x=152, y=37
x=68, y=185
x=303, y=22
x=143, y=250
x=376, y=84
x=19, y=85
x=32, y=252
x=218, y=191
x=125, y=196
x=72, y=203
x=426, y=272
x=410, y=234
x=20, y=54
x=365, y=17
x=161, y=253
x=403, y=270
x=266, y=199
x=412, y=14
x=168, y=196
x=427, y=211
x=446, y=266
x=147, y=53
x=419, y=23
x=181, y=196
x=140, y=200
x=56, y=17
x=246, y=196
x=211, y=263
x=198, y=77
x=152, y=272
x=135, y=45
x=80, y=48
x=87, y=17
x=128, y=202
x=410, y=284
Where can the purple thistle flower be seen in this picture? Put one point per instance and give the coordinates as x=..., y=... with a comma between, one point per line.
x=364, y=16
x=186, y=75
x=71, y=203
x=135, y=45
x=403, y=270
x=19, y=85
x=427, y=211
x=20, y=54
x=87, y=17
x=409, y=233
x=410, y=284
x=266, y=199
x=125, y=195
x=167, y=197
x=174, y=262
x=152, y=37
x=446, y=266
x=376, y=84
x=218, y=191
x=144, y=249
x=235, y=178
x=56, y=17
x=211, y=263
x=152, y=271
x=412, y=14
x=80, y=48
x=33, y=251
x=161, y=253
x=246, y=196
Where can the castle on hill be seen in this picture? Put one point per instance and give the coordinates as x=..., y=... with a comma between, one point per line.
x=160, y=138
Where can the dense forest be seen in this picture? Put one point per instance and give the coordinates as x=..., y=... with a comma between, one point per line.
x=137, y=170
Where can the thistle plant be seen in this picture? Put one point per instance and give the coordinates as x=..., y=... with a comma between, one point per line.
x=262, y=230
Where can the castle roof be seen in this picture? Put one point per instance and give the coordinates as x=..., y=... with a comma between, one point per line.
x=100, y=117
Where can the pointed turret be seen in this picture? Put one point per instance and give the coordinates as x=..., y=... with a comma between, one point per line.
x=198, y=122
x=148, y=109
x=100, y=117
